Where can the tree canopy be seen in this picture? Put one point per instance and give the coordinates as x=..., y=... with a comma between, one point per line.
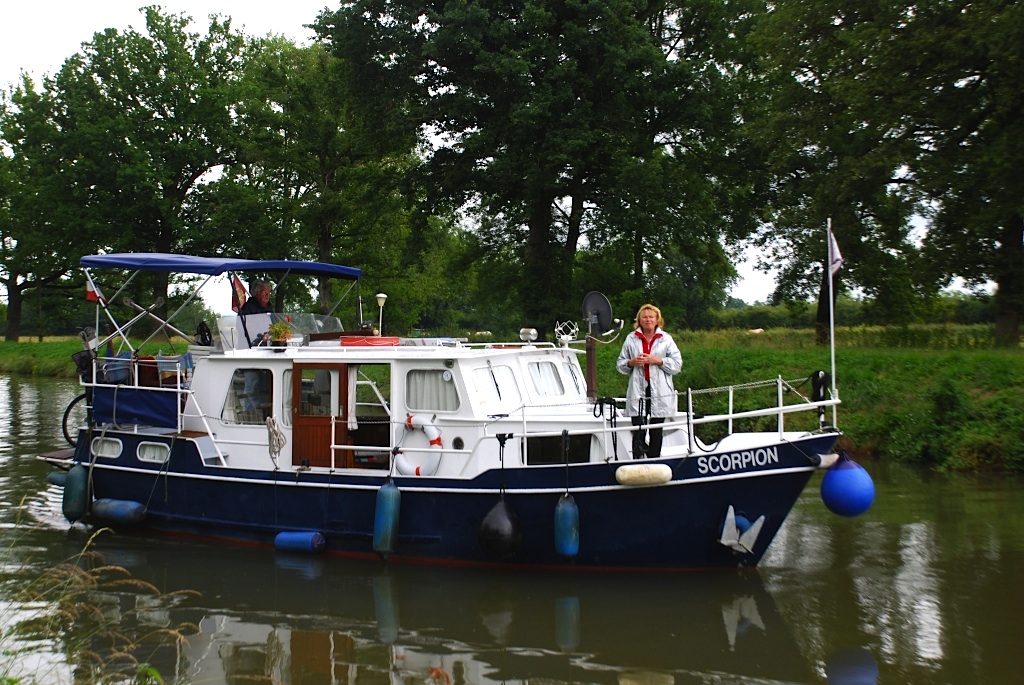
x=890, y=117
x=559, y=126
x=489, y=162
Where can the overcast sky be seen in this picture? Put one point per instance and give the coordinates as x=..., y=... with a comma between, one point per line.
x=39, y=35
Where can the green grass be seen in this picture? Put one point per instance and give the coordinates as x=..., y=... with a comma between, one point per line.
x=947, y=407
x=65, y=610
x=936, y=397
x=52, y=357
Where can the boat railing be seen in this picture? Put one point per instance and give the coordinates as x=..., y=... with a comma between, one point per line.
x=144, y=390
x=783, y=388
x=690, y=419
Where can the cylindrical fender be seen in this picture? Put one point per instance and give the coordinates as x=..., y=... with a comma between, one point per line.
x=421, y=463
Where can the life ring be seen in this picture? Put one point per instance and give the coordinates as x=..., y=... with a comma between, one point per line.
x=421, y=463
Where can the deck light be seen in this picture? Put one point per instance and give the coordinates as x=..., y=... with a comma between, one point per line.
x=381, y=299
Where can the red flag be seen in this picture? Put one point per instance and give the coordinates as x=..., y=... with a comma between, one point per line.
x=93, y=294
x=238, y=294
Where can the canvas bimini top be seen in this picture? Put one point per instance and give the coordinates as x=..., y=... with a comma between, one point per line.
x=212, y=266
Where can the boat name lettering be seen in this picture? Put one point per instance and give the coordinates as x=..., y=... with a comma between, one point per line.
x=736, y=461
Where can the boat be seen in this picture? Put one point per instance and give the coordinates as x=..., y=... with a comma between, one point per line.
x=431, y=450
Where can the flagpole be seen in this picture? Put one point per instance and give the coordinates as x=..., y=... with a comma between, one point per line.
x=829, y=242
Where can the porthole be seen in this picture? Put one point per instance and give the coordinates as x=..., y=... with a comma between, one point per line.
x=107, y=448
x=157, y=452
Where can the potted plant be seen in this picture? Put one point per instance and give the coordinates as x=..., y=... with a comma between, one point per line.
x=280, y=331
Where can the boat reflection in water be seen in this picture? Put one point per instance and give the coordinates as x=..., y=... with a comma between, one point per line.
x=266, y=617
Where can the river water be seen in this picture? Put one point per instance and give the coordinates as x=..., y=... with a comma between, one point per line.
x=926, y=587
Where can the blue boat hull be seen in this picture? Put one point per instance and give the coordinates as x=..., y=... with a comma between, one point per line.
x=674, y=525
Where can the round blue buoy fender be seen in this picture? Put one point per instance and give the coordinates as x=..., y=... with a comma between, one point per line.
x=567, y=623
x=385, y=518
x=58, y=478
x=499, y=532
x=847, y=489
x=300, y=541
x=567, y=526
x=118, y=510
x=76, y=493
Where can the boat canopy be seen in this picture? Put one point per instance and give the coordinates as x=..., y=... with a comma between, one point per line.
x=212, y=266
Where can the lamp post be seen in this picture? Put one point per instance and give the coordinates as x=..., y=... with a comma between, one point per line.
x=381, y=299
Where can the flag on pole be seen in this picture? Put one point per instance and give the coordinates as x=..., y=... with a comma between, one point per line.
x=835, y=259
x=238, y=294
x=92, y=293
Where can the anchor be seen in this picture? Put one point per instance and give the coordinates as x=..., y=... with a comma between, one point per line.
x=738, y=533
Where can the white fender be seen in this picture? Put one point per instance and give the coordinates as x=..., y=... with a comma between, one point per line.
x=421, y=463
x=643, y=474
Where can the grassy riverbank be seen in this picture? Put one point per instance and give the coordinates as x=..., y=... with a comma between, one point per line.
x=948, y=405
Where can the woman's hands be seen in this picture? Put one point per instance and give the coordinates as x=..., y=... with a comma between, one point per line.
x=645, y=360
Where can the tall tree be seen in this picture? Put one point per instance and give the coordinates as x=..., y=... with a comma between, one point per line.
x=42, y=233
x=832, y=150
x=880, y=111
x=965, y=87
x=144, y=118
x=544, y=114
x=328, y=177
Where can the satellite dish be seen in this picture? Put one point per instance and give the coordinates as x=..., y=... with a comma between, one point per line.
x=597, y=312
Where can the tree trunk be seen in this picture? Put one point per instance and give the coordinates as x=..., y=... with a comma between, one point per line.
x=15, y=303
x=638, y=257
x=1009, y=277
x=324, y=253
x=544, y=279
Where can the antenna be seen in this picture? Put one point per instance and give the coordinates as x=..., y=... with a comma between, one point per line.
x=597, y=312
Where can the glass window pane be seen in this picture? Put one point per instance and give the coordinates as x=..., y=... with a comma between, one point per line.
x=545, y=379
x=496, y=389
x=319, y=394
x=431, y=390
x=249, y=397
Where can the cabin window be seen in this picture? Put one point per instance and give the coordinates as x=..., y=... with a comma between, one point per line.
x=552, y=450
x=107, y=448
x=496, y=387
x=572, y=371
x=546, y=380
x=249, y=397
x=431, y=390
x=318, y=398
x=156, y=452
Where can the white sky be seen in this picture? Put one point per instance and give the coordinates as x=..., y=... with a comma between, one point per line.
x=39, y=35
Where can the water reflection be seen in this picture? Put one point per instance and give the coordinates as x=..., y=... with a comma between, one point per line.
x=297, y=619
x=926, y=583
x=30, y=414
x=855, y=666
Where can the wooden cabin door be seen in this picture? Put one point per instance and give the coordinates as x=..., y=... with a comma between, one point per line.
x=319, y=393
